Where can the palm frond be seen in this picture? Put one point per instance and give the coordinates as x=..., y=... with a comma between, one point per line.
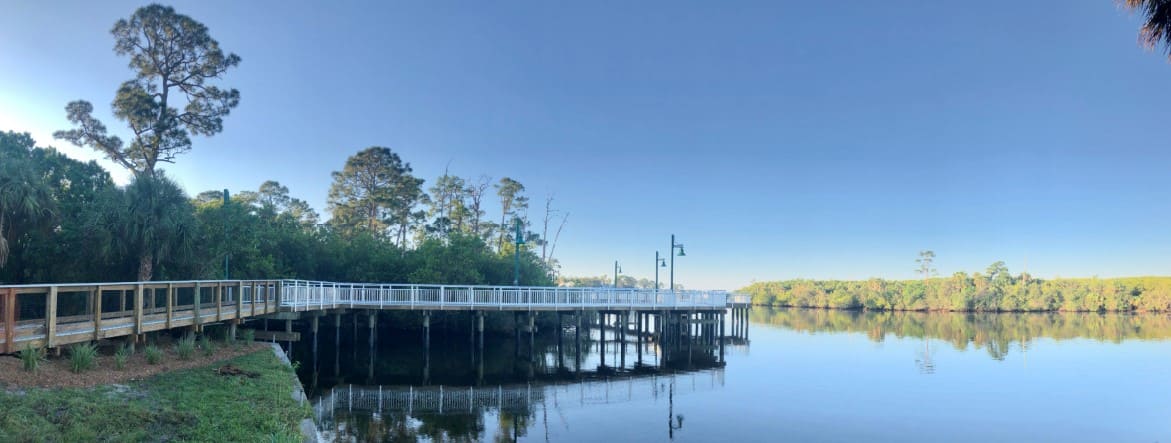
x=1156, y=31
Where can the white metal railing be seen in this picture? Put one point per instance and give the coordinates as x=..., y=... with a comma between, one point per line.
x=739, y=299
x=302, y=295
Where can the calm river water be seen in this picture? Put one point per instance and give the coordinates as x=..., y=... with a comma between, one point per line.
x=801, y=375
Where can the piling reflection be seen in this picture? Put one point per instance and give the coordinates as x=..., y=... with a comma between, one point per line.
x=367, y=384
x=459, y=412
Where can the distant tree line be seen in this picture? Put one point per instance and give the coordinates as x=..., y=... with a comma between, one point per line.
x=602, y=281
x=995, y=290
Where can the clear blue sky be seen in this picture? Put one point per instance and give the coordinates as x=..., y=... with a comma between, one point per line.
x=776, y=139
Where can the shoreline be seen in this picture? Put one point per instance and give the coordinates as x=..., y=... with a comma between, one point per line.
x=307, y=426
x=963, y=311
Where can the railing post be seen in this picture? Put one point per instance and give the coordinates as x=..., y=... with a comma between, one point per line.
x=219, y=297
x=441, y=296
x=278, y=289
x=97, y=312
x=138, y=297
x=10, y=321
x=240, y=299
x=50, y=317
x=196, y=301
x=170, y=303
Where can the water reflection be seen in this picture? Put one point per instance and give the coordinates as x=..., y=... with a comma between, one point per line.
x=812, y=375
x=995, y=333
x=458, y=412
x=397, y=385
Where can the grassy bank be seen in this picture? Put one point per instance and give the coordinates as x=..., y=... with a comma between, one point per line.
x=195, y=404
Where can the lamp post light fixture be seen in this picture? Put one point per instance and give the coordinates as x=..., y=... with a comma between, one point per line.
x=659, y=263
x=617, y=269
x=672, y=254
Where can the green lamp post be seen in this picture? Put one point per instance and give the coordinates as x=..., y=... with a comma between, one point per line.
x=672, y=254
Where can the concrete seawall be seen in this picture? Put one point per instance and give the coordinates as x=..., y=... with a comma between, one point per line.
x=308, y=428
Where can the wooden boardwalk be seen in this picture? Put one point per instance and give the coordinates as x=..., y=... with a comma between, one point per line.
x=35, y=315
x=53, y=315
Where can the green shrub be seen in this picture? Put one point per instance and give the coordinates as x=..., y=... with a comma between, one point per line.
x=248, y=335
x=186, y=347
x=32, y=357
x=122, y=355
x=207, y=345
x=82, y=357
x=153, y=354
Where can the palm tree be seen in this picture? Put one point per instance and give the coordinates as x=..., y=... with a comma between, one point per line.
x=149, y=220
x=1157, y=29
x=23, y=196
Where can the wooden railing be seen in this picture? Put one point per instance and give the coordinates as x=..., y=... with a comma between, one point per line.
x=61, y=314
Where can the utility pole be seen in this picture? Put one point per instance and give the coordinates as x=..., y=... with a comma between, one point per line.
x=226, y=254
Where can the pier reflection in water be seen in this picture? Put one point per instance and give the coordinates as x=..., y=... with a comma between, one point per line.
x=402, y=385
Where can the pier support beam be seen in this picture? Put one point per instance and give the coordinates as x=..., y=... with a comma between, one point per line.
x=624, y=322
x=427, y=331
x=372, y=319
x=602, y=338
x=532, y=335
x=480, y=336
x=721, y=336
x=560, y=332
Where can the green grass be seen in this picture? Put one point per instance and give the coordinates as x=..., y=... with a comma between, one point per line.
x=189, y=405
x=82, y=356
x=31, y=358
x=153, y=354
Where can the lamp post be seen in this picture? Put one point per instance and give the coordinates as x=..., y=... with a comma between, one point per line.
x=617, y=269
x=659, y=263
x=672, y=254
x=520, y=240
